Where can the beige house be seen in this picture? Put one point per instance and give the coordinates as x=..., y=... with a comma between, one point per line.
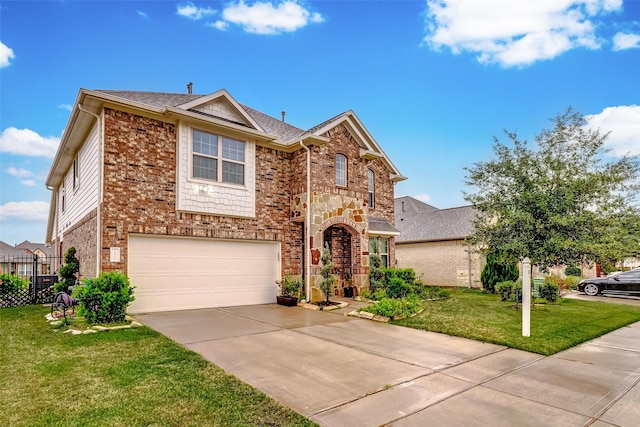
x=432, y=241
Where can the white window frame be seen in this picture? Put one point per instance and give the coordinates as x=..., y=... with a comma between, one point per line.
x=76, y=173
x=371, y=187
x=220, y=159
x=63, y=196
x=342, y=174
x=25, y=269
x=384, y=256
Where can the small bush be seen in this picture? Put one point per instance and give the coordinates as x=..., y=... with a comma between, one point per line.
x=391, y=307
x=105, y=298
x=573, y=270
x=398, y=288
x=291, y=287
x=549, y=291
x=10, y=283
x=365, y=294
x=68, y=271
x=507, y=290
x=378, y=295
x=572, y=282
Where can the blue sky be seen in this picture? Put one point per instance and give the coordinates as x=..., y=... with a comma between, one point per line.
x=433, y=81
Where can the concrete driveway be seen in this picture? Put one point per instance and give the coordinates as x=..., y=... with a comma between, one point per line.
x=343, y=371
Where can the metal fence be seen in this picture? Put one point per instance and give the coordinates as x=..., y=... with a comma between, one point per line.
x=27, y=279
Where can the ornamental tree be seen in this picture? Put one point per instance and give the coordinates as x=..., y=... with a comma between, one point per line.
x=559, y=203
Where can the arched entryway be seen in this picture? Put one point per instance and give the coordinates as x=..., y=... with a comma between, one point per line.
x=344, y=244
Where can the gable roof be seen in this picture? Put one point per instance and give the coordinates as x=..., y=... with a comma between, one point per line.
x=32, y=247
x=6, y=250
x=410, y=205
x=265, y=129
x=433, y=224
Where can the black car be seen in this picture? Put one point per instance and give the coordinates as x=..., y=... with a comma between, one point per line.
x=625, y=283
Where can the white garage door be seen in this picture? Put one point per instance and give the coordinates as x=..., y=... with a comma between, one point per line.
x=173, y=273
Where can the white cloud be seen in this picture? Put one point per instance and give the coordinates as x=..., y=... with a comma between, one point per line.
x=65, y=107
x=218, y=25
x=24, y=175
x=514, y=33
x=623, y=41
x=28, y=143
x=24, y=211
x=624, y=124
x=142, y=14
x=265, y=17
x=6, y=55
x=191, y=11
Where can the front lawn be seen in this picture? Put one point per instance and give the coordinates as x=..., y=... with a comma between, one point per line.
x=133, y=377
x=554, y=327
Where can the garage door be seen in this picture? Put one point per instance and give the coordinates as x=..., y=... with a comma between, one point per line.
x=172, y=273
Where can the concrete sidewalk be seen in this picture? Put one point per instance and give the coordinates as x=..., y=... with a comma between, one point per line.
x=343, y=371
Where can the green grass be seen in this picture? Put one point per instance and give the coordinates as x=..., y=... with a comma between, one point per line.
x=133, y=377
x=554, y=327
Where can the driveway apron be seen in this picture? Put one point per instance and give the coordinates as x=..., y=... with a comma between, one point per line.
x=344, y=371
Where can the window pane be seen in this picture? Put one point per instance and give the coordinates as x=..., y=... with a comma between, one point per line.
x=205, y=143
x=385, y=261
x=370, y=184
x=232, y=149
x=341, y=170
x=204, y=167
x=233, y=173
x=384, y=246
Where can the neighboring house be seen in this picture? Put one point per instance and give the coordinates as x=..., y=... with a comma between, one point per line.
x=204, y=202
x=432, y=241
x=19, y=259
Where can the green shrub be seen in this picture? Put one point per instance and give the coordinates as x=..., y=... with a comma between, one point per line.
x=68, y=271
x=11, y=283
x=365, y=294
x=572, y=282
x=378, y=295
x=497, y=270
x=291, y=287
x=507, y=290
x=326, y=285
x=105, y=298
x=391, y=307
x=550, y=290
x=398, y=288
x=573, y=270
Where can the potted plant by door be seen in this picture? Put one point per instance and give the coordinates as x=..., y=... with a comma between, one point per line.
x=290, y=291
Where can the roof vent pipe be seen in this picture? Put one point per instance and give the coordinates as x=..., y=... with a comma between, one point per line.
x=402, y=206
x=283, y=114
x=190, y=88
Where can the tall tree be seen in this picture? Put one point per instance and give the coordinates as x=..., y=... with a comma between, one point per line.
x=557, y=204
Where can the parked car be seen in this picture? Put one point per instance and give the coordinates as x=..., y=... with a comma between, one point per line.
x=624, y=283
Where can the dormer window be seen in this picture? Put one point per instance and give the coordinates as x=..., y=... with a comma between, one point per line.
x=218, y=158
x=341, y=170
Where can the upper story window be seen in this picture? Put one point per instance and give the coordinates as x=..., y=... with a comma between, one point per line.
x=76, y=173
x=341, y=170
x=371, y=187
x=63, y=195
x=218, y=158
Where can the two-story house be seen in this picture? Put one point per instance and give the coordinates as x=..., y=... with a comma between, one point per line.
x=205, y=202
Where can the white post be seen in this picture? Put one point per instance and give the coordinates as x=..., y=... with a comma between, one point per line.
x=526, y=297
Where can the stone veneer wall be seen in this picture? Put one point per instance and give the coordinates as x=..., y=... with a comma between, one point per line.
x=345, y=206
x=140, y=193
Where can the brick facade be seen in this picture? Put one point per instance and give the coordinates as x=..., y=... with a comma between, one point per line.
x=82, y=236
x=139, y=193
x=146, y=187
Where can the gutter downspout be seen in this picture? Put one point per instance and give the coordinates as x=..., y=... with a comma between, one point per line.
x=99, y=207
x=307, y=220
